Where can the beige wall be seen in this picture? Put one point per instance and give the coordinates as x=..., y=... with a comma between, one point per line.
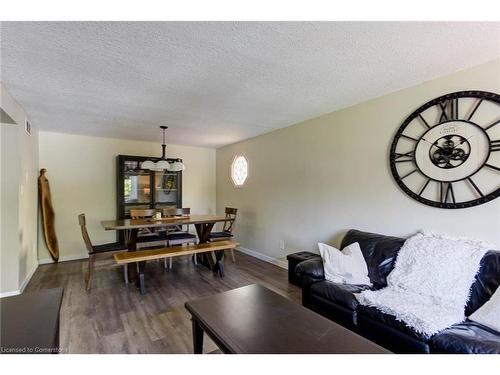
x=313, y=181
x=82, y=176
x=19, y=172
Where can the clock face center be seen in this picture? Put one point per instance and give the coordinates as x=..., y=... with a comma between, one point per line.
x=452, y=151
x=449, y=151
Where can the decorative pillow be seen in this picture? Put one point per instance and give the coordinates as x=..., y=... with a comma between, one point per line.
x=489, y=314
x=345, y=267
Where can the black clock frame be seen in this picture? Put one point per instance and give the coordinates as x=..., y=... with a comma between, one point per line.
x=481, y=95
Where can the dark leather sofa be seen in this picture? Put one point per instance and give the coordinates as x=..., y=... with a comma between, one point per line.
x=337, y=302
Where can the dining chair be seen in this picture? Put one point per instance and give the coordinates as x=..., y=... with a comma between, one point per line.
x=179, y=234
x=97, y=250
x=227, y=229
x=147, y=237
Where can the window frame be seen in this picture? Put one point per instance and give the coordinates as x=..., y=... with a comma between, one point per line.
x=231, y=166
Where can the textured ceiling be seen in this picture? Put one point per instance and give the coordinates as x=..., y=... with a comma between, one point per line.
x=215, y=83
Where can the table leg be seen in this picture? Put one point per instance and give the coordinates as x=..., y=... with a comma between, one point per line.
x=132, y=246
x=203, y=231
x=197, y=337
x=125, y=272
x=219, y=265
x=142, y=286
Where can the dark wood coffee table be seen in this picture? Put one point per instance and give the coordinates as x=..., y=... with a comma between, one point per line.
x=256, y=320
x=30, y=322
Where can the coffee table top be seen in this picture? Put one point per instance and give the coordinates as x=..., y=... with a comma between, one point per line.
x=30, y=322
x=254, y=319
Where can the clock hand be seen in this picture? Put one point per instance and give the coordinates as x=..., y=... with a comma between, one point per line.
x=432, y=143
x=464, y=140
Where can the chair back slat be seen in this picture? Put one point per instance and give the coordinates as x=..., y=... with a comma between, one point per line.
x=186, y=211
x=85, y=234
x=173, y=211
x=230, y=214
x=136, y=213
x=231, y=211
x=169, y=211
x=141, y=214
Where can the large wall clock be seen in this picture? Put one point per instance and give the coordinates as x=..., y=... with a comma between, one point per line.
x=447, y=153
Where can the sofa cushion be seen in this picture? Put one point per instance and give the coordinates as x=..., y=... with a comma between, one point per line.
x=223, y=234
x=180, y=236
x=467, y=337
x=339, y=314
x=342, y=294
x=390, y=320
x=394, y=339
x=487, y=281
x=149, y=238
x=379, y=252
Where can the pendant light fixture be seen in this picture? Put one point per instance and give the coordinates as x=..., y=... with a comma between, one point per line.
x=163, y=164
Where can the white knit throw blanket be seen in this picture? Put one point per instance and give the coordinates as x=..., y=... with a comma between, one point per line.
x=430, y=283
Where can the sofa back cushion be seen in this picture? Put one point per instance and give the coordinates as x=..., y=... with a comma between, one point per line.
x=379, y=251
x=487, y=281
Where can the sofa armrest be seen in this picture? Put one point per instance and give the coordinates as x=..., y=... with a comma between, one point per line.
x=311, y=269
x=309, y=272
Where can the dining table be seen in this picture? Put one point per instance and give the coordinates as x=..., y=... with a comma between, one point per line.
x=202, y=223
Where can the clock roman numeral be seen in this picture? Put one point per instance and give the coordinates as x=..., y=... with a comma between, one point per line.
x=446, y=192
x=450, y=190
x=449, y=110
x=443, y=116
x=423, y=121
x=403, y=158
x=408, y=137
x=478, y=103
x=492, y=166
x=475, y=187
x=423, y=187
x=492, y=125
x=408, y=174
x=454, y=109
x=495, y=145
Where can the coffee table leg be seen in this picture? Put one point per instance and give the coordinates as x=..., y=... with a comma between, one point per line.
x=197, y=337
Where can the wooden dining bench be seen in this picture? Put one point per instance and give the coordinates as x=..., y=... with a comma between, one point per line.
x=140, y=257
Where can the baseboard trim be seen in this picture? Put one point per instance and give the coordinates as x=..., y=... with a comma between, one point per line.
x=23, y=284
x=265, y=258
x=65, y=258
x=28, y=278
x=253, y=253
x=10, y=294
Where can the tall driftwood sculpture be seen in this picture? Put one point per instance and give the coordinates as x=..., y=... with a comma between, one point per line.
x=48, y=217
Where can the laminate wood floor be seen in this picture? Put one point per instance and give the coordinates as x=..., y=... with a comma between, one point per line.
x=114, y=318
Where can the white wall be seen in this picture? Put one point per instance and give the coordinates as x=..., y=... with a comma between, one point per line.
x=28, y=203
x=313, y=181
x=82, y=175
x=19, y=194
x=9, y=243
